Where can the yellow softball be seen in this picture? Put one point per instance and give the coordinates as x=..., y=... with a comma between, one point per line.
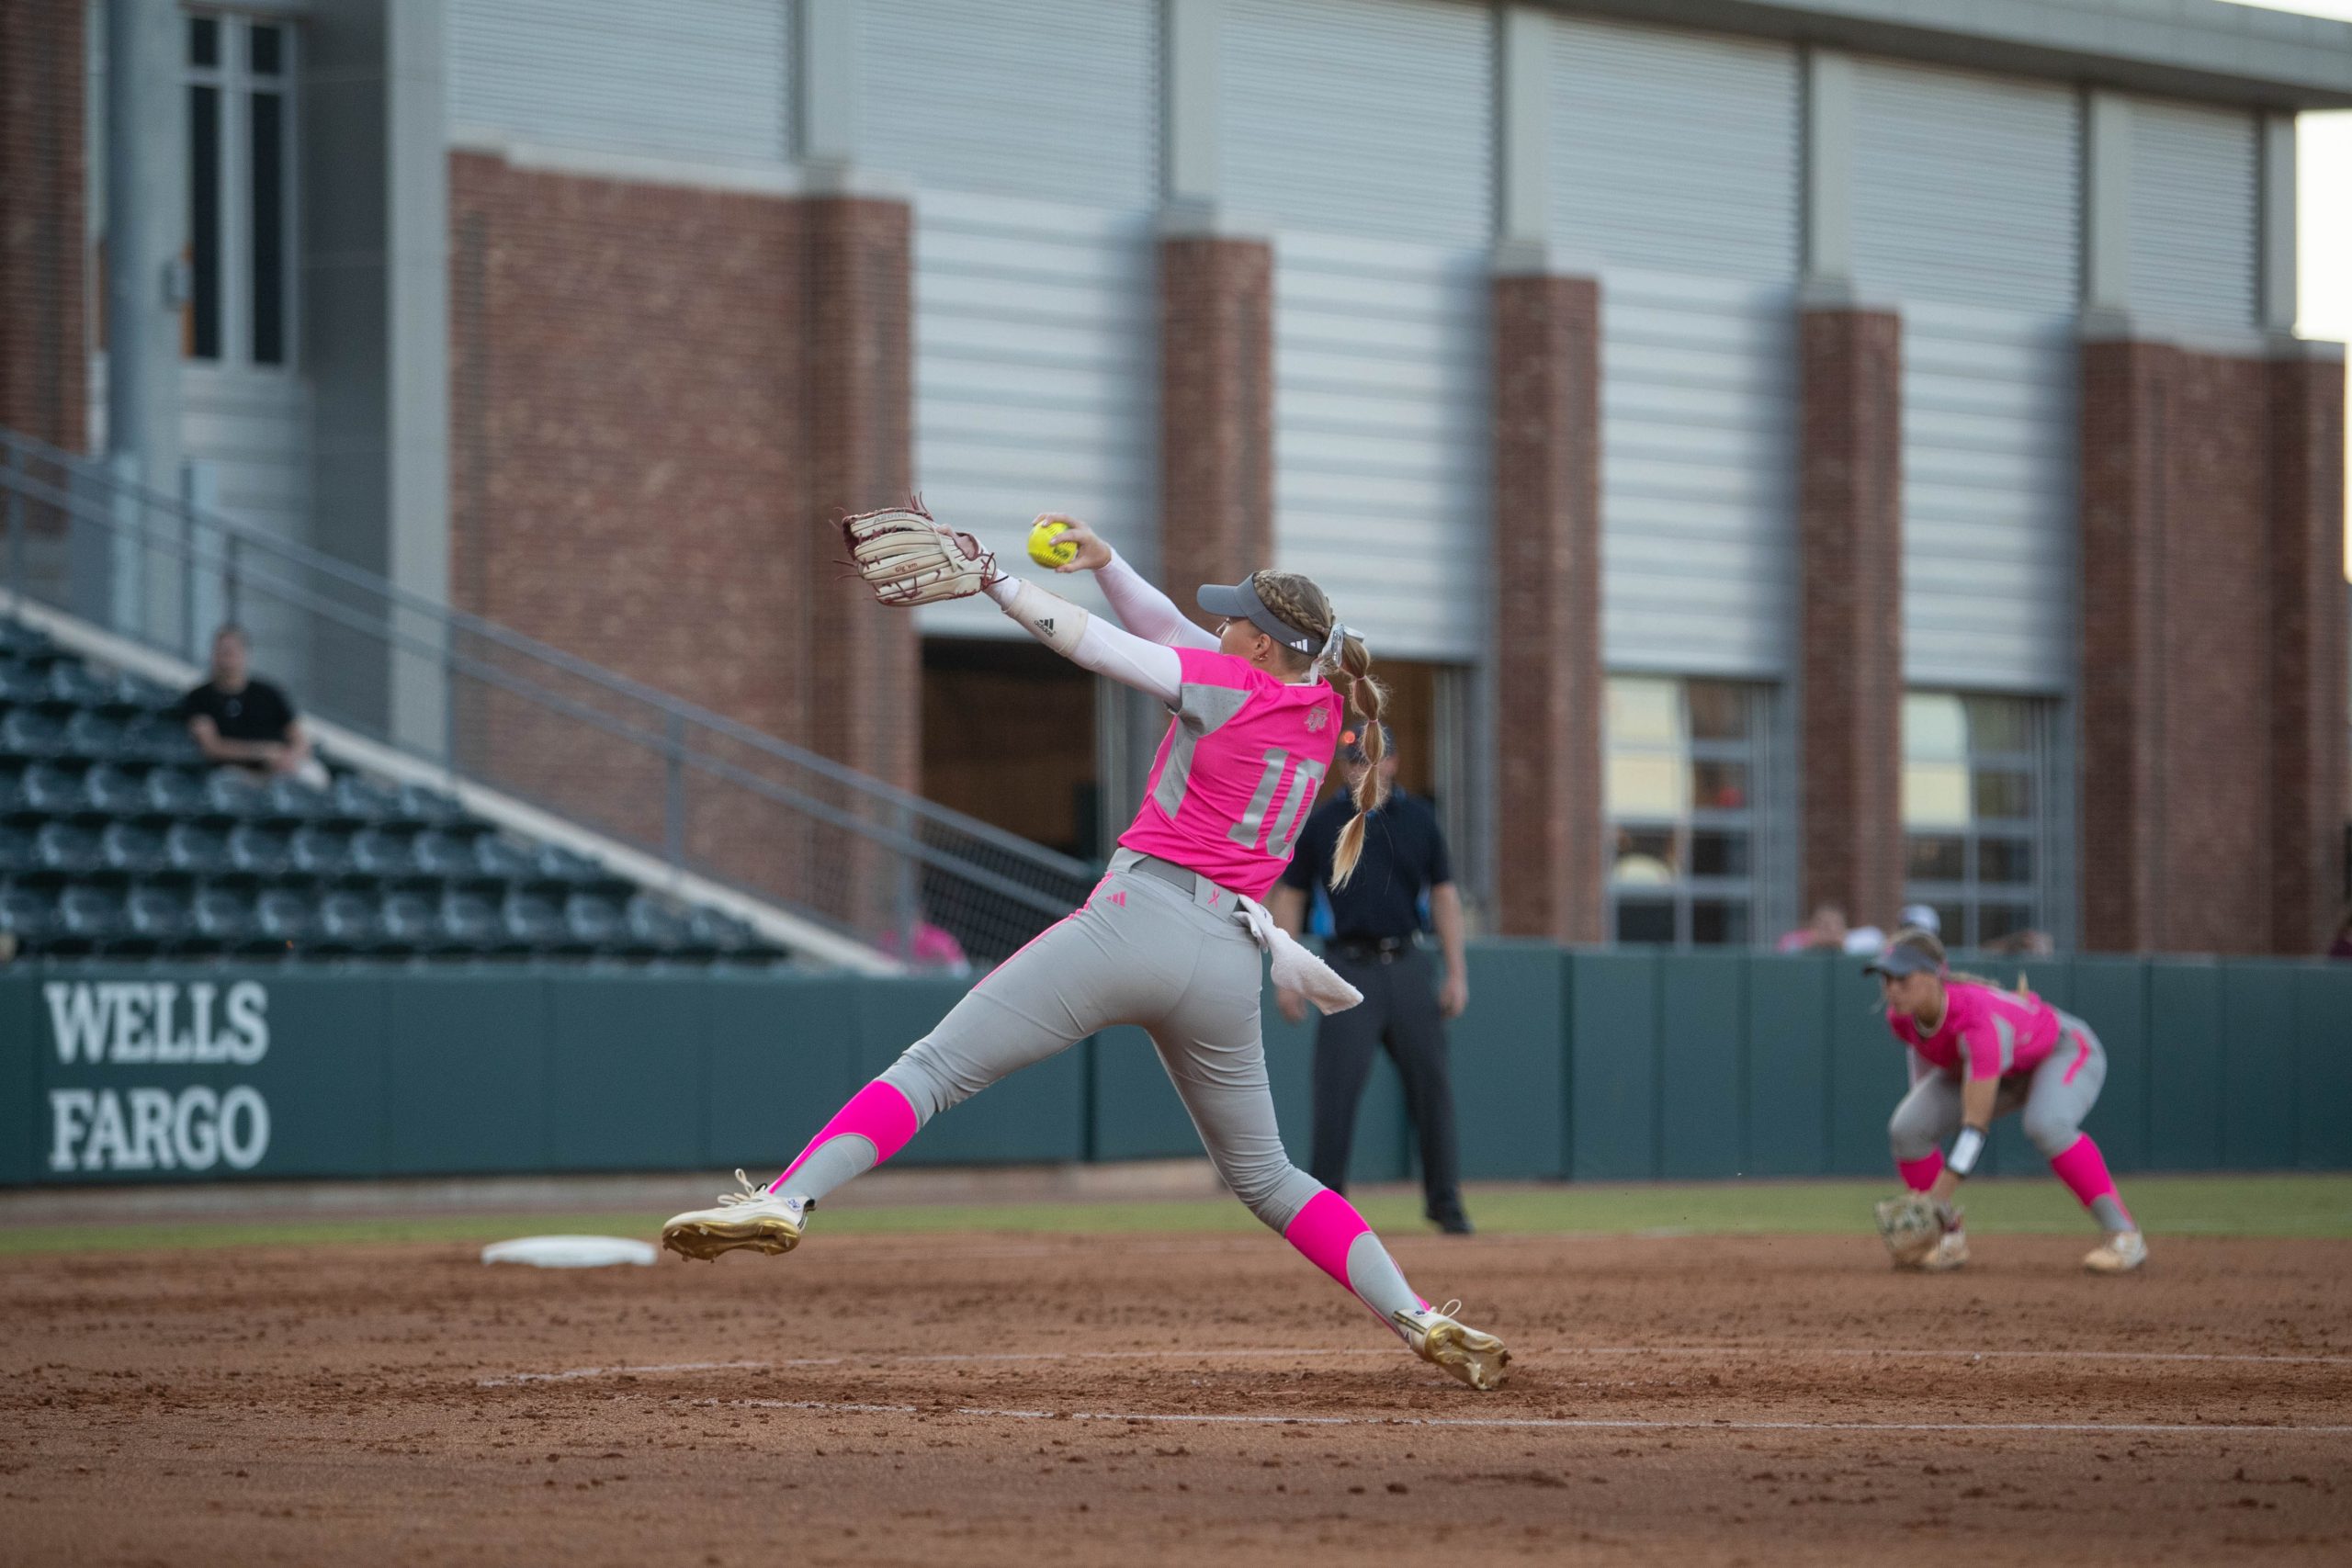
x=1046, y=549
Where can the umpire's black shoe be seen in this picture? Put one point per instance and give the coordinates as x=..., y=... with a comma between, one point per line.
x=1452, y=1224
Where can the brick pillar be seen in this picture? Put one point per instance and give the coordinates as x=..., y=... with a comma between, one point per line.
x=864, y=701
x=2121, y=702
x=1548, y=688
x=1216, y=397
x=43, y=288
x=1850, y=610
x=2307, y=623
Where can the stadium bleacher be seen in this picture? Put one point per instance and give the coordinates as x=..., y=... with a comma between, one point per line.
x=119, y=840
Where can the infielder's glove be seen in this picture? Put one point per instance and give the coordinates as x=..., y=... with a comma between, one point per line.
x=907, y=559
x=1912, y=1225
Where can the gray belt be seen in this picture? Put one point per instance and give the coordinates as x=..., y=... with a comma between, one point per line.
x=1191, y=883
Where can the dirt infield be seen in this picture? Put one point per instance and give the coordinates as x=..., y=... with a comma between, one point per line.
x=958, y=1400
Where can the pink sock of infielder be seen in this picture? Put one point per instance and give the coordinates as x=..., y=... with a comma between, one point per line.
x=1339, y=1241
x=2084, y=1170
x=1920, y=1174
x=874, y=1125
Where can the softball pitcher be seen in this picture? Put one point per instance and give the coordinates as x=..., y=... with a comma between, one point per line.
x=1978, y=1052
x=1169, y=938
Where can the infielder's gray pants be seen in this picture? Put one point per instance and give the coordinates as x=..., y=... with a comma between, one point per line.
x=2055, y=1098
x=1142, y=951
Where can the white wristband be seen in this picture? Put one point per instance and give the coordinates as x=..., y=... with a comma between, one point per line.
x=1056, y=622
x=1965, y=1151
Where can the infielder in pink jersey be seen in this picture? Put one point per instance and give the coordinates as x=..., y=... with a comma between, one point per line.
x=1978, y=1052
x=1169, y=938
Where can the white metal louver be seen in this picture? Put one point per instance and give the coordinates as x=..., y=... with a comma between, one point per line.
x=1036, y=353
x=1967, y=214
x=1372, y=117
x=712, y=80
x=2195, y=216
x=1674, y=152
x=1052, y=99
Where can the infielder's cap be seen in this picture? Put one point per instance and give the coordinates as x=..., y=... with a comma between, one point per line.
x=1351, y=743
x=1900, y=959
x=1239, y=601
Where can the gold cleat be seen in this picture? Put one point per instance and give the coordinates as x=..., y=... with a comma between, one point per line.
x=754, y=1217
x=1472, y=1355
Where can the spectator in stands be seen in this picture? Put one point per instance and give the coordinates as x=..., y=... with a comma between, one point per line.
x=244, y=723
x=2342, y=946
x=1825, y=932
x=2021, y=944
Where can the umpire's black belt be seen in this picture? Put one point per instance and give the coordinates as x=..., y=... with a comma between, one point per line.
x=1371, y=949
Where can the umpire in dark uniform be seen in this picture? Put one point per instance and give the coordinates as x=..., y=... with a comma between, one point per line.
x=1377, y=926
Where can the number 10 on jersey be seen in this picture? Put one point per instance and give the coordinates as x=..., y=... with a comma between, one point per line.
x=1305, y=779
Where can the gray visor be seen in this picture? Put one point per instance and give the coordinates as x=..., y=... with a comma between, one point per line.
x=1239, y=601
x=1896, y=961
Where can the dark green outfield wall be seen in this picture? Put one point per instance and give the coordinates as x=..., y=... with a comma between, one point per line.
x=1590, y=1065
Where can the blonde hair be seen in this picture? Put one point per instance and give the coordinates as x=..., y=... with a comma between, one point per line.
x=1300, y=604
x=1918, y=939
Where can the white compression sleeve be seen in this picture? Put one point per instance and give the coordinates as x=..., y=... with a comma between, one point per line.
x=1098, y=645
x=1145, y=610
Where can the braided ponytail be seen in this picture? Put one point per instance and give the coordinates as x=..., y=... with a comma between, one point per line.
x=1348, y=669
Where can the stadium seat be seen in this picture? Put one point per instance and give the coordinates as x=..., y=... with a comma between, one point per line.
x=553, y=865
x=430, y=807
x=18, y=855
x=133, y=850
x=384, y=855
x=363, y=803
x=160, y=737
x=51, y=789
x=596, y=922
x=259, y=852
x=17, y=637
x=12, y=791
x=723, y=934
x=287, y=920
x=175, y=792
x=134, y=694
x=232, y=794
x=535, y=923
x=501, y=859
x=224, y=918
x=410, y=923
x=291, y=801
x=446, y=856
x=113, y=790
x=654, y=928
x=87, y=920
x=31, y=733
x=194, y=850
x=22, y=685
x=158, y=918
x=94, y=735
x=27, y=913
x=323, y=855
x=469, y=923
x=67, y=849
x=72, y=684
x=348, y=924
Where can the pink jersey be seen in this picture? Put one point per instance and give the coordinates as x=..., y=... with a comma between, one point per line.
x=1987, y=1033
x=1237, y=772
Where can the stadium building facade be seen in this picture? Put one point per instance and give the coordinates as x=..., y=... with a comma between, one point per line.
x=1853, y=452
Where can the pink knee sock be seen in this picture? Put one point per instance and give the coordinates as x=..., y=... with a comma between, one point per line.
x=874, y=1125
x=2084, y=1170
x=1339, y=1241
x=1920, y=1174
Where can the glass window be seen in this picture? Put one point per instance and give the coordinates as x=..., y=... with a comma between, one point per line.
x=1974, y=796
x=241, y=191
x=1681, y=779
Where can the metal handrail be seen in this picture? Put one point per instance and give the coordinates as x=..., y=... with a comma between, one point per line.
x=308, y=560
x=1029, y=884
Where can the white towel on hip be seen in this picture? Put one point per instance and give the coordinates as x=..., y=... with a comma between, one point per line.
x=1295, y=969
